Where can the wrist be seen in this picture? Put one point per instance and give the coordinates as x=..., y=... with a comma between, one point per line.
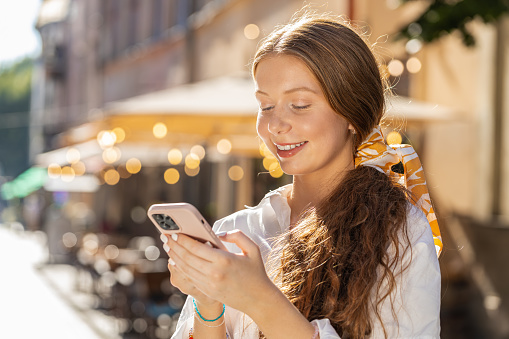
x=210, y=310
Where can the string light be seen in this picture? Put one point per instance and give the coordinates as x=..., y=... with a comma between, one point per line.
x=54, y=171
x=79, y=168
x=192, y=171
x=106, y=139
x=111, y=155
x=133, y=165
x=199, y=151
x=251, y=31
x=171, y=176
x=394, y=138
x=159, y=130
x=224, y=146
x=119, y=134
x=67, y=174
x=413, y=65
x=236, y=173
x=73, y=155
x=275, y=170
x=192, y=161
x=174, y=156
x=395, y=67
x=111, y=177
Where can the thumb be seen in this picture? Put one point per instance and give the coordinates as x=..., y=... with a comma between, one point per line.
x=237, y=237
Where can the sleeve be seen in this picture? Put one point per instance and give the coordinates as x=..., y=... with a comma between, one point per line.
x=232, y=316
x=416, y=298
x=185, y=321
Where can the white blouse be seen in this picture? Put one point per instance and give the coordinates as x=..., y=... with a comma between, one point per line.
x=416, y=296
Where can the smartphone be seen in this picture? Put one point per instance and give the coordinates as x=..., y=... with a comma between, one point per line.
x=183, y=218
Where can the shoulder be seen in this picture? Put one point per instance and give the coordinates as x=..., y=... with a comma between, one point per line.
x=418, y=227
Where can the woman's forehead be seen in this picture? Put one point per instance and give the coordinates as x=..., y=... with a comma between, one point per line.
x=286, y=74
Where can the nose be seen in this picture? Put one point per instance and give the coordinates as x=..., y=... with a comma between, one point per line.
x=279, y=123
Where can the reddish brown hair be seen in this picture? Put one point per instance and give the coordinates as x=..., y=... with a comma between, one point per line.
x=332, y=260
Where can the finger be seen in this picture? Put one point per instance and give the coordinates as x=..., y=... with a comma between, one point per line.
x=191, y=266
x=248, y=246
x=197, y=248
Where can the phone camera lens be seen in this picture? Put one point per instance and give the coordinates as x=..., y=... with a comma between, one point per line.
x=166, y=222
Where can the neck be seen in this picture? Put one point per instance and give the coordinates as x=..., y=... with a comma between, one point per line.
x=308, y=191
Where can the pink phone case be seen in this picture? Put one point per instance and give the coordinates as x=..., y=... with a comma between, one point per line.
x=188, y=220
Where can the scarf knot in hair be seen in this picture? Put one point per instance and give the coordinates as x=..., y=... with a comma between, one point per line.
x=402, y=163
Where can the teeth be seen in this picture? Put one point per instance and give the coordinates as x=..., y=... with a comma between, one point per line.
x=289, y=147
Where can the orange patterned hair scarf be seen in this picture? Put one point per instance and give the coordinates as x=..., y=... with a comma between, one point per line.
x=402, y=163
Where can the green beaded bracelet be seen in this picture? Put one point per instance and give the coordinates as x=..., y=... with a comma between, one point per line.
x=202, y=318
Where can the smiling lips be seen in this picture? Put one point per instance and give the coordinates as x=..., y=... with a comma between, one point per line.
x=289, y=150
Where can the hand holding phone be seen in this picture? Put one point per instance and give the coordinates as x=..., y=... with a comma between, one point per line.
x=183, y=218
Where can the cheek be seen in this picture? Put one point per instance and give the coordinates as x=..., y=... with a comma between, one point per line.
x=262, y=127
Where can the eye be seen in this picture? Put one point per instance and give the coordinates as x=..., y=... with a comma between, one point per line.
x=300, y=107
x=265, y=109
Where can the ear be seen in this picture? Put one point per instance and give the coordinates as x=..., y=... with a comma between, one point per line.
x=351, y=129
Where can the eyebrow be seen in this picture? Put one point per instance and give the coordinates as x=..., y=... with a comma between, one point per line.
x=292, y=90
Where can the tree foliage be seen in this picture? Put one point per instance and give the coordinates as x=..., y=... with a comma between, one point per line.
x=15, y=91
x=442, y=17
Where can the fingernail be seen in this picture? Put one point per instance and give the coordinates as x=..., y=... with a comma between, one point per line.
x=171, y=262
x=221, y=234
x=166, y=247
x=174, y=236
x=164, y=238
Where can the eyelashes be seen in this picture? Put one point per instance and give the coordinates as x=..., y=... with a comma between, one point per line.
x=266, y=109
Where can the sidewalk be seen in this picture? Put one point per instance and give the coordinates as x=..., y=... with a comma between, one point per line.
x=36, y=300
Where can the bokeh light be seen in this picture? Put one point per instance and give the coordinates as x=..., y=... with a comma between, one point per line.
x=140, y=325
x=164, y=320
x=73, y=155
x=192, y=171
x=394, y=138
x=264, y=150
x=133, y=165
x=174, y=156
x=395, y=67
x=119, y=134
x=111, y=155
x=111, y=177
x=224, y=146
x=413, y=46
x=106, y=139
x=79, y=168
x=152, y=253
x=159, y=130
x=54, y=170
x=268, y=161
x=192, y=161
x=111, y=252
x=124, y=276
x=68, y=174
x=413, y=65
x=236, y=173
x=251, y=31
x=199, y=151
x=123, y=172
x=69, y=239
x=171, y=176
x=275, y=170
x=138, y=214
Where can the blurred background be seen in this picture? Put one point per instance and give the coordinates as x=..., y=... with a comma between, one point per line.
x=109, y=106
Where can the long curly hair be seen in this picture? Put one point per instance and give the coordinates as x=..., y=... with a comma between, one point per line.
x=336, y=256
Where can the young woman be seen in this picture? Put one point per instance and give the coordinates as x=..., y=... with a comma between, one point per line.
x=349, y=249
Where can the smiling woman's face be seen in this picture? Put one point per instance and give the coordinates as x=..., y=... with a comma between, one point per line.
x=296, y=121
